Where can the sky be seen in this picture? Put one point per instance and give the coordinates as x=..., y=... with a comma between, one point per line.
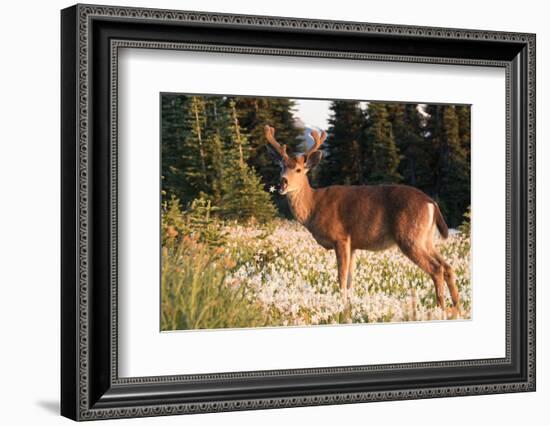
x=315, y=113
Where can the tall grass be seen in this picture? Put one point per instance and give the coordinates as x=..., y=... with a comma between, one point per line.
x=195, y=294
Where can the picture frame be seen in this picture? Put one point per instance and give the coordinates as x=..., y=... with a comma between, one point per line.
x=90, y=384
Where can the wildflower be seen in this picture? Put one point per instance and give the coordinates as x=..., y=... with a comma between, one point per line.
x=171, y=232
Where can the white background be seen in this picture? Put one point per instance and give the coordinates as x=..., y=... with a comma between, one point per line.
x=29, y=225
x=146, y=352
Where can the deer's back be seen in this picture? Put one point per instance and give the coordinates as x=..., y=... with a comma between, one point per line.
x=373, y=217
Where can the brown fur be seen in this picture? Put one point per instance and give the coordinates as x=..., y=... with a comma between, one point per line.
x=349, y=218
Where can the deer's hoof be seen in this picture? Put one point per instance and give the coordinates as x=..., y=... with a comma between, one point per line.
x=453, y=313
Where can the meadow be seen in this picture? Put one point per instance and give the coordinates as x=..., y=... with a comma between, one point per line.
x=227, y=275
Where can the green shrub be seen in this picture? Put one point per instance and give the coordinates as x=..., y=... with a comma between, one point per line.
x=197, y=222
x=465, y=227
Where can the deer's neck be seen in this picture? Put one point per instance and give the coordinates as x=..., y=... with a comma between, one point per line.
x=302, y=202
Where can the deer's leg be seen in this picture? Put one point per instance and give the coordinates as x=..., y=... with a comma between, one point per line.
x=429, y=264
x=351, y=269
x=450, y=278
x=343, y=257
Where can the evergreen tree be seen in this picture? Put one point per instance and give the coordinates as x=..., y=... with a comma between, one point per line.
x=463, y=113
x=214, y=151
x=451, y=182
x=381, y=152
x=433, y=134
x=243, y=194
x=173, y=132
x=254, y=113
x=217, y=130
x=206, y=154
x=344, y=154
x=193, y=164
x=456, y=182
x=407, y=130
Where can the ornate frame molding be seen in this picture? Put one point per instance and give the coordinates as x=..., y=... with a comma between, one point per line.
x=82, y=16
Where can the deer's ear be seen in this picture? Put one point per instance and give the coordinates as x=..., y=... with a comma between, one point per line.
x=313, y=159
x=274, y=154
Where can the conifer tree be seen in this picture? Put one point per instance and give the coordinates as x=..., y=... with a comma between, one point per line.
x=194, y=167
x=217, y=129
x=254, y=114
x=463, y=113
x=344, y=155
x=381, y=153
x=214, y=148
x=456, y=182
x=243, y=194
x=433, y=133
x=173, y=133
x=206, y=154
x=407, y=131
x=451, y=180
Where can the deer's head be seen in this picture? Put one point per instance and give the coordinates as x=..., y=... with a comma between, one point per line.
x=294, y=168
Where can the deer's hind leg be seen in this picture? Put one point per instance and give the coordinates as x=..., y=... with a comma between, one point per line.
x=450, y=279
x=429, y=264
x=351, y=269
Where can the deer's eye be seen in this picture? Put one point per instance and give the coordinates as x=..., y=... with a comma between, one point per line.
x=298, y=170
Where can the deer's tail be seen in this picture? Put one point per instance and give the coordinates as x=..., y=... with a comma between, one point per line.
x=440, y=222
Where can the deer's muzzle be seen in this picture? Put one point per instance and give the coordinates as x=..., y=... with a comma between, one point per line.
x=283, y=186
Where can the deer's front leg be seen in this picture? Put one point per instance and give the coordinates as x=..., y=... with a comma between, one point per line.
x=343, y=259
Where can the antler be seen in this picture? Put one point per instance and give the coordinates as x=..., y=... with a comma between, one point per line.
x=270, y=136
x=317, y=141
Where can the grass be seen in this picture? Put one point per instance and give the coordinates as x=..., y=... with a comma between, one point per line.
x=195, y=294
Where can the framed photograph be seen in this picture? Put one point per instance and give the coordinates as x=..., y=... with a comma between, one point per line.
x=263, y=212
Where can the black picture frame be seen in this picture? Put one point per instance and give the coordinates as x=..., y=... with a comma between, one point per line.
x=90, y=386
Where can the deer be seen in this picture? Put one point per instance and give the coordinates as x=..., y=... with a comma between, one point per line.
x=347, y=218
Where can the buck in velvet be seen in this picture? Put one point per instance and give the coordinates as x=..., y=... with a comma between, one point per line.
x=346, y=218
